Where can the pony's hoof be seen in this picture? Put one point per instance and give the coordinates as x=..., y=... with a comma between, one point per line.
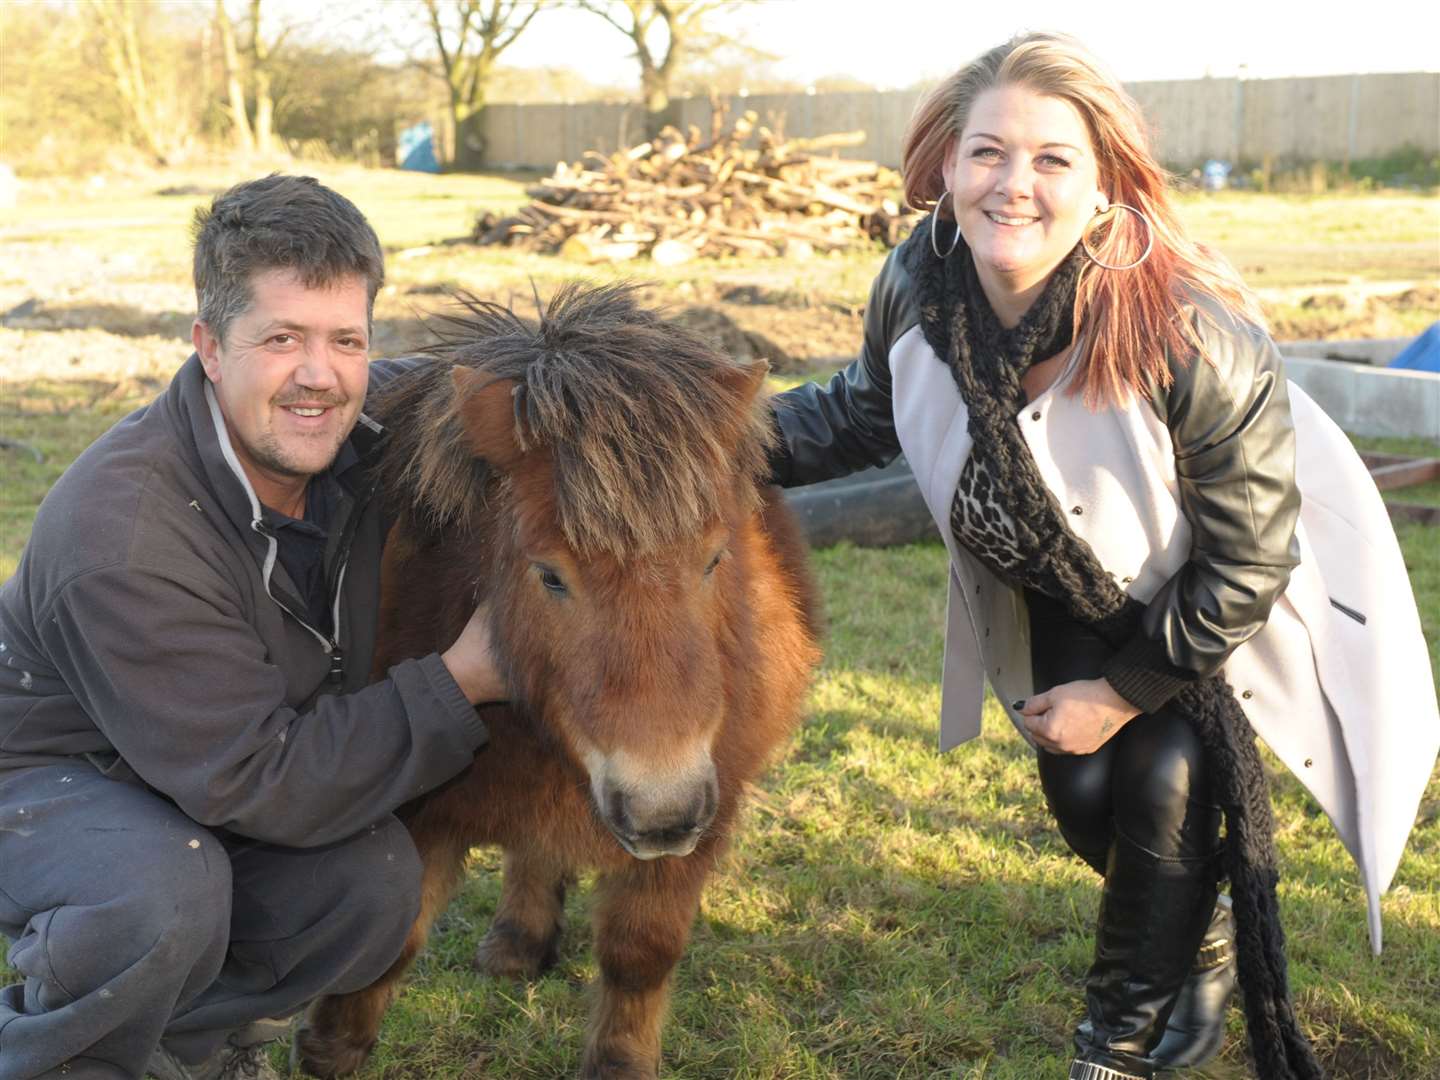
x=508, y=952
x=326, y=1056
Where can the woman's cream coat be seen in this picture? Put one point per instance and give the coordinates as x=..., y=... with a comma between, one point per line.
x=1338, y=683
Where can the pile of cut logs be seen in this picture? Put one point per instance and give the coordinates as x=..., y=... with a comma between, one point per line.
x=679, y=197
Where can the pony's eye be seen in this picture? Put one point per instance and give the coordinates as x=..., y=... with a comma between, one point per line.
x=552, y=581
x=719, y=557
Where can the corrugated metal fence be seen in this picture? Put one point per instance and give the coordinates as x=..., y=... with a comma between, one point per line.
x=1330, y=118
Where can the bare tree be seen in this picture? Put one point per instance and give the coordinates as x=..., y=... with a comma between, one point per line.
x=80, y=80
x=250, y=66
x=639, y=20
x=260, y=51
x=469, y=36
x=234, y=81
x=149, y=116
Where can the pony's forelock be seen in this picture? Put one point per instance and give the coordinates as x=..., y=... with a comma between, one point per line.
x=641, y=419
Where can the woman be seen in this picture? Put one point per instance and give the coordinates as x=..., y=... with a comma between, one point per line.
x=1101, y=428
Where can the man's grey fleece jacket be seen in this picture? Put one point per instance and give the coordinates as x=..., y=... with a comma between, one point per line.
x=150, y=630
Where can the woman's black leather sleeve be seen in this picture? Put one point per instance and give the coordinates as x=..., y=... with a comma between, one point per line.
x=848, y=424
x=1229, y=420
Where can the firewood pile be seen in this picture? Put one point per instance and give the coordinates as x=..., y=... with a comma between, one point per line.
x=679, y=197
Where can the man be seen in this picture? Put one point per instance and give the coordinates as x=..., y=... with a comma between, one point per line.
x=196, y=783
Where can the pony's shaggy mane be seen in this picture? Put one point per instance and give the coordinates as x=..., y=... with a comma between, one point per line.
x=644, y=421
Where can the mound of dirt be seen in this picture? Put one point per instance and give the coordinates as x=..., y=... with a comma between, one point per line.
x=1425, y=297
x=1346, y=316
x=789, y=330
x=733, y=339
x=123, y=319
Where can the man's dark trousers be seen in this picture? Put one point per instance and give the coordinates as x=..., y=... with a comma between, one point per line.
x=130, y=921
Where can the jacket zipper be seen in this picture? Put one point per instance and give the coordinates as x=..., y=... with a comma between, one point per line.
x=336, y=675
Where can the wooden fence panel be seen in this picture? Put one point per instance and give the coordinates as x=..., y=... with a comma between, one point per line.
x=1290, y=120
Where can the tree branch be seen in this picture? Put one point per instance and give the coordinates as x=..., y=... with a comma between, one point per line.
x=602, y=9
x=505, y=44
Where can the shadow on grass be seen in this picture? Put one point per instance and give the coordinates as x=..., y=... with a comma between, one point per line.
x=124, y=320
x=943, y=981
x=105, y=399
x=859, y=970
x=392, y=336
x=840, y=961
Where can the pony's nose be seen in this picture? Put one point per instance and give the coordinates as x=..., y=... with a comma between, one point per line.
x=649, y=828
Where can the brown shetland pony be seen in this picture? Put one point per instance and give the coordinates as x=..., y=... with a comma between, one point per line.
x=596, y=477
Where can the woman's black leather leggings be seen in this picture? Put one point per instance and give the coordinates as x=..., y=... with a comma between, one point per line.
x=1149, y=781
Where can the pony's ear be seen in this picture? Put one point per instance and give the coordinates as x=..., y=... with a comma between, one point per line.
x=487, y=409
x=746, y=380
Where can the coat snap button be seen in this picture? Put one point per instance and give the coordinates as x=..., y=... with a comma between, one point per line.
x=1309, y=761
x=1035, y=415
x=1248, y=694
x=1077, y=510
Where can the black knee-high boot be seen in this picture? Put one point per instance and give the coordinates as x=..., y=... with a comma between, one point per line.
x=1153, y=913
x=1195, y=1031
x=1196, y=1028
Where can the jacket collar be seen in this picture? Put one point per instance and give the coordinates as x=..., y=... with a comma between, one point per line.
x=196, y=412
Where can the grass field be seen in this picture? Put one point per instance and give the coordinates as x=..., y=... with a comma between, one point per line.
x=885, y=912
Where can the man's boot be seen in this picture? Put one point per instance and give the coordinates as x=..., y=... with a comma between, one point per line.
x=243, y=1057
x=1153, y=913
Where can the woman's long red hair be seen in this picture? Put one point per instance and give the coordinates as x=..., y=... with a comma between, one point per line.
x=1132, y=319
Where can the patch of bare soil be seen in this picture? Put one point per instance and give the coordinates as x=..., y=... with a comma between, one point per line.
x=798, y=331
x=807, y=330
x=141, y=361
x=56, y=275
x=1348, y=315
x=815, y=334
x=792, y=331
x=127, y=320
x=733, y=339
x=1350, y=1052
x=136, y=330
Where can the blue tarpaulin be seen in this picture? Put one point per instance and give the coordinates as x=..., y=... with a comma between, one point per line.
x=416, y=148
x=1422, y=354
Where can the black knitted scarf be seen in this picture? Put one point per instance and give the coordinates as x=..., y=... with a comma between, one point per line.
x=988, y=362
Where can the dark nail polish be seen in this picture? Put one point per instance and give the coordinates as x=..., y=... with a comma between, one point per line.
x=1017, y=705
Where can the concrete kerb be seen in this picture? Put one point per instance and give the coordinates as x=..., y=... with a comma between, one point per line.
x=1366, y=400
x=1375, y=351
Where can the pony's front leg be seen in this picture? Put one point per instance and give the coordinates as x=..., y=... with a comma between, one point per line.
x=642, y=921
x=339, y=1031
x=524, y=937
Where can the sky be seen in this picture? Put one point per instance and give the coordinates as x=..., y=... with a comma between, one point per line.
x=893, y=43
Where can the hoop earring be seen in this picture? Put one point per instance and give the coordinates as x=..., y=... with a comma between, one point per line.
x=1149, y=239
x=935, y=226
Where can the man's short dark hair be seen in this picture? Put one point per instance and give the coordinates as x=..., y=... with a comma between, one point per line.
x=279, y=223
